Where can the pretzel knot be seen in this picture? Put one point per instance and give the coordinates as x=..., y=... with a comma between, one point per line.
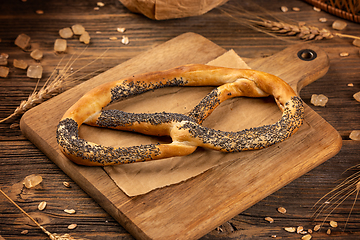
x=186, y=131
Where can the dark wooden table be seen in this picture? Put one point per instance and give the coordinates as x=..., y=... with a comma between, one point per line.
x=20, y=158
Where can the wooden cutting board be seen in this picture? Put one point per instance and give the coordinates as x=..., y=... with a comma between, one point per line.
x=192, y=208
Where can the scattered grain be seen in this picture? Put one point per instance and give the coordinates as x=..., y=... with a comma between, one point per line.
x=34, y=71
x=333, y=224
x=317, y=227
x=357, y=96
x=66, y=32
x=355, y=135
x=25, y=232
x=269, y=219
x=4, y=71
x=14, y=126
x=339, y=25
x=42, y=206
x=70, y=211
x=36, y=54
x=78, y=29
x=273, y=236
x=60, y=45
x=290, y=229
x=96, y=8
x=328, y=232
x=100, y=4
x=306, y=237
x=281, y=210
x=296, y=9
x=85, y=38
x=323, y=20
x=113, y=38
x=299, y=229
x=319, y=100
x=350, y=84
x=66, y=184
x=125, y=40
x=22, y=41
x=32, y=180
x=316, y=9
x=344, y=54
x=72, y=226
x=284, y=9
x=310, y=231
x=20, y=64
x=39, y=12
x=119, y=29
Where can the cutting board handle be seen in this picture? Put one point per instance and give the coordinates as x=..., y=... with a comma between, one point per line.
x=310, y=61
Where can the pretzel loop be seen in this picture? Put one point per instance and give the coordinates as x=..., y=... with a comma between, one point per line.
x=186, y=131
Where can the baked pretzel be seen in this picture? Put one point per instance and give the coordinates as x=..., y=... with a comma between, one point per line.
x=185, y=130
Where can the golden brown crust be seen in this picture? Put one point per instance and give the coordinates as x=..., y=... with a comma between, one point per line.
x=185, y=130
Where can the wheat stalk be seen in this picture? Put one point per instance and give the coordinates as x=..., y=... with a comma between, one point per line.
x=53, y=86
x=334, y=198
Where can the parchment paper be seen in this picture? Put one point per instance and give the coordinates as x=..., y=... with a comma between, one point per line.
x=140, y=178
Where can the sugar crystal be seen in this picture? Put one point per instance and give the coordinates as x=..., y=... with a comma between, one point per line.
x=3, y=60
x=357, y=96
x=85, y=38
x=60, y=45
x=4, y=71
x=34, y=71
x=22, y=41
x=20, y=64
x=78, y=29
x=319, y=100
x=5, y=55
x=66, y=32
x=36, y=54
x=339, y=25
x=355, y=135
x=32, y=180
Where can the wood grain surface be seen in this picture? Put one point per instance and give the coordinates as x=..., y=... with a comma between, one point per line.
x=19, y=157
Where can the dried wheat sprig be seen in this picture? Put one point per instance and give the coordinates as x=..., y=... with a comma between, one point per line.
x=348, y=187
x=303, y=31
x=277, y=26
x=52, y=236
x=53, y=86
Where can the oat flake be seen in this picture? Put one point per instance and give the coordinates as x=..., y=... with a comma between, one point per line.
x=333, y=224
x=42, y=206
x=290, y=229
x=281, y=210
x=72, y=226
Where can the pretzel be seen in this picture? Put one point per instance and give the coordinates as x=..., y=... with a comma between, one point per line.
x=186, y=131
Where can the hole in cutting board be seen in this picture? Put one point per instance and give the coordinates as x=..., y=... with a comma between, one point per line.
x=307, y=54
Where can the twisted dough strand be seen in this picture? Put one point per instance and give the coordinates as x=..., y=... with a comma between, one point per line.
x=185, y=130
